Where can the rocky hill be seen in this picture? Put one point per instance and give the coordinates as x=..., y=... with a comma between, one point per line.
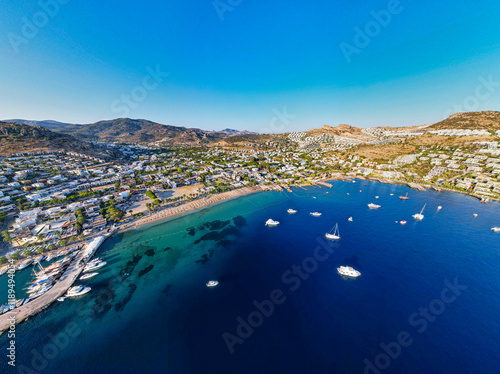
x=20, y=138
x=126, y=130
x=487, y=120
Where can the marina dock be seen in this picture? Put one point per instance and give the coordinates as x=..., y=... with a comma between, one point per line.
x=59, y=289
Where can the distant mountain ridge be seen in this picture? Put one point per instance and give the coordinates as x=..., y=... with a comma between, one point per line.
x=48, y=124
x=126, y=130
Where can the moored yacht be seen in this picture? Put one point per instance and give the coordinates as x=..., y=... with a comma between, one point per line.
x=212, y=283
x=316, y=214
x=88, y=275
x=271, y=222
x=77, y=291
x=291, y=211
x=94, y=266
x=419, y=216
x=348, y=271
x=335, y=235
x=373, y=206
x=404, y=197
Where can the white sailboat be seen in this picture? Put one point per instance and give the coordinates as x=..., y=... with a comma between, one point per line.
x=419, y=216
x=335, y=235
x=373, y=206
x=291, y=211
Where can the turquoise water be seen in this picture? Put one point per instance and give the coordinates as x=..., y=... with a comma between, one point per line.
x=149, y=310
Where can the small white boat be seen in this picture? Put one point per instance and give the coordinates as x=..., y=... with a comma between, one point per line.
x=404, y=197
x=376, y=197
x=271, y=222
x=88, y=275
x=314, y=197
x=335, y=235
x=440, y=207
x=212, y=283
x=350, y=219
x=391, y=194
x=77, y=291
x=62, y=298
x=402, y=222
x=291, y=211
x=475, y=214
x=94, y=266
x=348, y=193
x=348, y=271
x=373, y=206
x=495, y=229
x=419, y=216
x=316, y=214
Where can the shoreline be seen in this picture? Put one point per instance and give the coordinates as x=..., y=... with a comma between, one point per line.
x=183, y=210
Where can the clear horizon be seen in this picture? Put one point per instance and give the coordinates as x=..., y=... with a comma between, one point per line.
x=247, y=66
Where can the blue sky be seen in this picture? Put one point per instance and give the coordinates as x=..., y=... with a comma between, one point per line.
x=236, y=63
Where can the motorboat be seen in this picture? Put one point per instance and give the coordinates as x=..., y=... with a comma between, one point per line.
x=376, y=197
x=77, y=291
x=419, y=216
x=271, y=222
x=25, y=264
x=62, y=298
x=94, y=266
x=335, y=235
x=316, y=214
x=373, y=206
x=475, y=214
x=440, y=207
x=404, y=197
x=495, y=229
x=348, y=271
x=88, y=275
x=291, y=211
x=212, y=283
x=402, y=222
x=350, y=219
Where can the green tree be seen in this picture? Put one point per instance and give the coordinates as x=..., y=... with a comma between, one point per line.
x=62, y=243
x=117, y=184
x=115, y=214
x=51, y=246
x=3, y=259
x=6, y=236
x=14, y=256
x=40, y=250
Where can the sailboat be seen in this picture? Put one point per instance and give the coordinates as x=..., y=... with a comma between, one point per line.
x=335, y=235
x=404, y=197
x=419, y=216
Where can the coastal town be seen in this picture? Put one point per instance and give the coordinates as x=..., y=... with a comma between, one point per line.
x=51, y=200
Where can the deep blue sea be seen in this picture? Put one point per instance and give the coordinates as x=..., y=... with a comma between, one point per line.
x=428, y=299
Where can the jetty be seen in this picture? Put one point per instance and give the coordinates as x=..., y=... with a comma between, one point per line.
x=416, y=186
x=24, y=312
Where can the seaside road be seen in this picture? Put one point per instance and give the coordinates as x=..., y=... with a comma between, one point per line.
x=40, y=303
